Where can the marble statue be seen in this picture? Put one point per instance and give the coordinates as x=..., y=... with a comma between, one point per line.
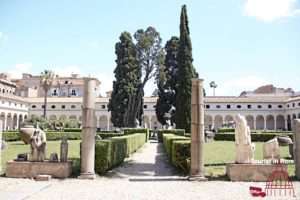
x=37, y=140
x=244, y=147
x=271, y=149
x=168, y=125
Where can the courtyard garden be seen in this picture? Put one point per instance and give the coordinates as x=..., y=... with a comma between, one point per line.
x=216, y=154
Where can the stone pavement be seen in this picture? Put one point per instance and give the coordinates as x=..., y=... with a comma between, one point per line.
x=145, y=176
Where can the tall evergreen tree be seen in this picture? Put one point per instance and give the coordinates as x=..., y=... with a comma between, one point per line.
x=127, y=75
x=185, y=74
x=148, y=46
x=166, y=82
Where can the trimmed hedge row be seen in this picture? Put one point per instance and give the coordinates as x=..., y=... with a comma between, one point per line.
x=128, y=131
x=178, y=150
x=112, y=152
x=255, y=137
x=51, y=135
x=161, y=132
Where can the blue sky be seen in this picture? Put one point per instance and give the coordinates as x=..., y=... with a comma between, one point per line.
x=240, y=44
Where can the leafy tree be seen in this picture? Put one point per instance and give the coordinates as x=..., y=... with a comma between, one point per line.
x=186, y=72
x=148, y=47
x=167, y=82
x=127, y=80
x=46, y=79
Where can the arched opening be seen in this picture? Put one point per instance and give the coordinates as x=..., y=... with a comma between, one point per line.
x=103, y=123
x=229, y=121
x=250, y=121
x=218, y=122
x=289, y=123
x=52, y=118
x=260, y=122
x=270, y=122
x=208, y=122
x=2, y=118
x=9, y=122
x=63, y=118
x=21, y=120
x=280, y=122
x=147, y=123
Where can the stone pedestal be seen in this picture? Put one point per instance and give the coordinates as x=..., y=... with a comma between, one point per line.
x=26, y=169
x=297, y=147
x=197, y=131
x=88, y=130
x=251, y=172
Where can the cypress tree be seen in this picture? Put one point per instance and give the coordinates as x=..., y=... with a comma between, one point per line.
x=127, y=78
x=185, y=74
x=167, y=82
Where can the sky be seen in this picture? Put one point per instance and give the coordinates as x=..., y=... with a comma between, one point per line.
x=239, y=44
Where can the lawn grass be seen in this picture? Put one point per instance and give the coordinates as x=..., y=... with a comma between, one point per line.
x=218, y=153
x=14, y=148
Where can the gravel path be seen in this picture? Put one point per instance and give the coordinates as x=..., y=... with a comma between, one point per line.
x=145, y=176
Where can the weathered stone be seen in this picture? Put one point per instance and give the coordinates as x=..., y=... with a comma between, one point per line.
x=42, y=178
x=197, y=131
x=251, y=172
x=64, y=150
x=38, y=146
x=244, y=148
x=88, y=130
x=297, y=147
x=271, y=149
x=284, y=140
x=53, y=157
x=26, y=133
x=32, y=169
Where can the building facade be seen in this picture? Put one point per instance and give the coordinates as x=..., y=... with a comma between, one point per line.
x=266, y=108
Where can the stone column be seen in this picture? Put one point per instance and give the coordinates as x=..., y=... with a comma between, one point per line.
x=197, y=131
x=254, y=123
x=88, y=130
x=265, y=123
x=297, y=147
x=1, y=128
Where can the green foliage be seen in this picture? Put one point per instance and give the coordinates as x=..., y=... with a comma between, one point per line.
x=166, y=83
x=226, y=130
x=127, y=80
x=181, y=154
x=161, y=132
x=255, y=137
x=128, y=131
x=178, y=150
x=186, y=72
x=10, y=136
x=112, y=152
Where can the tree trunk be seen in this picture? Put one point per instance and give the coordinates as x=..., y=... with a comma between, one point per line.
x=45, y=104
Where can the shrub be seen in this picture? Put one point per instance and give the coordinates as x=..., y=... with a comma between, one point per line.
x=105, y=135
x=112, y=152
x=128, y=131
x=161, y=132
x=226, y=130
x=11, y=136
x=168, y=139
x=181, y=153
x=255, y=137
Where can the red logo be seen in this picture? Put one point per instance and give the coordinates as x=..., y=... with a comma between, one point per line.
x=278, y=184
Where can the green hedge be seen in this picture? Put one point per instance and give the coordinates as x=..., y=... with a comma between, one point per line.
x=181, y=154
x=161, y=132
x=128, y=131
x=178, y=150
x=255, y=137
x=112, y=152
x=225, y=130
x=10, y=136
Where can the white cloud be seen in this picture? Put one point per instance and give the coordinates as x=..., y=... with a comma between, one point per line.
x=236, y=86
x=19, y=69
x=271, y=10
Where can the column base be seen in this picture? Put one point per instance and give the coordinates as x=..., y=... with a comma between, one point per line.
x=197, y=178
x=87, y=176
